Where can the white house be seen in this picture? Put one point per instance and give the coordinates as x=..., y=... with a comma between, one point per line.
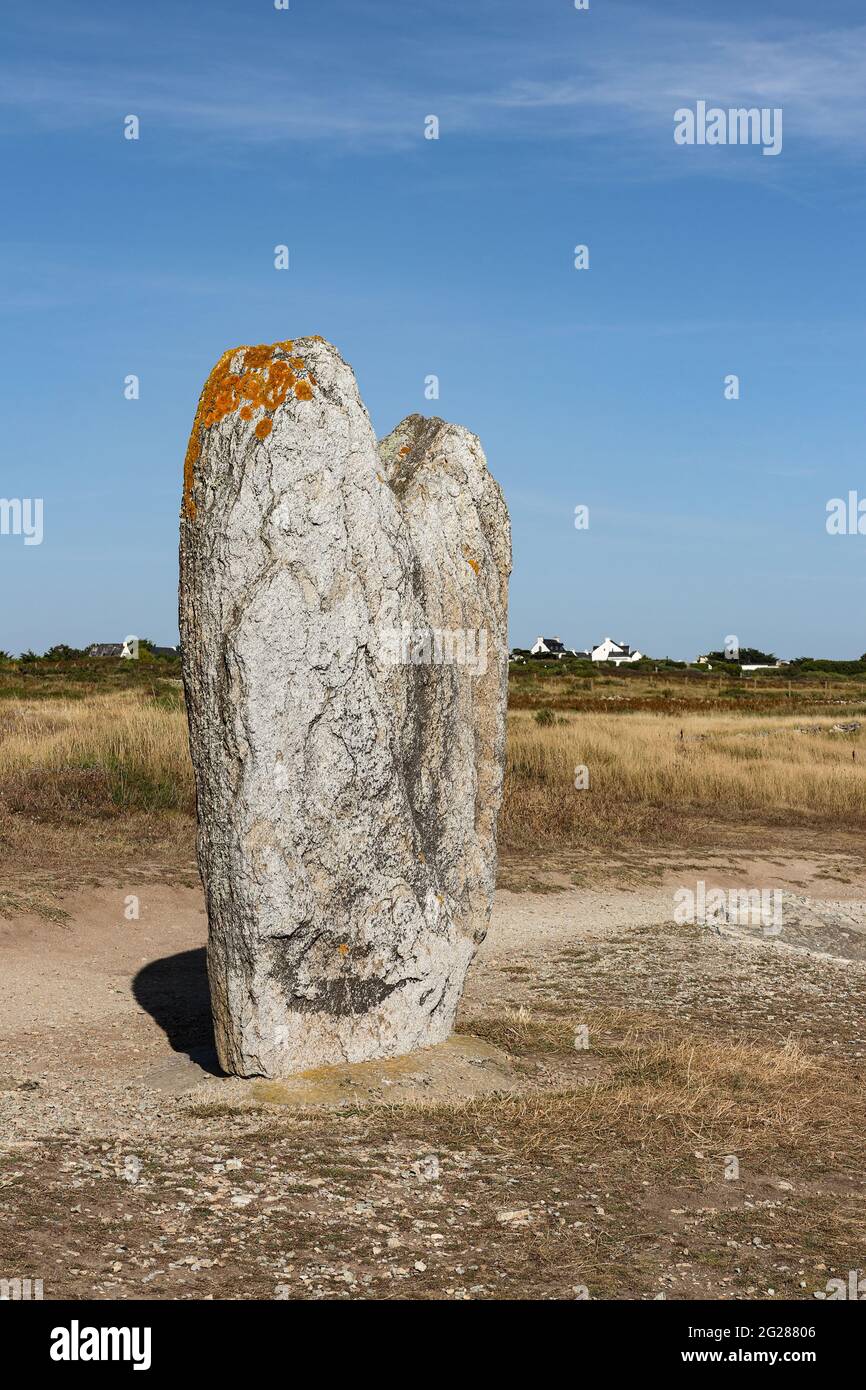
x=618, y=653
x=548, y=646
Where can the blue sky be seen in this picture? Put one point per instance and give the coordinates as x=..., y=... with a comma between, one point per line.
x=455, y=257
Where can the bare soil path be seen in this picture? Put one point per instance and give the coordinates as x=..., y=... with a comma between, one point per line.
x=575, y=1139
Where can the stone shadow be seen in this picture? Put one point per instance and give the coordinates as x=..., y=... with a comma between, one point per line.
x=174, y=991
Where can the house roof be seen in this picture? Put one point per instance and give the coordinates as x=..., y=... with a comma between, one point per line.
x=105, y=649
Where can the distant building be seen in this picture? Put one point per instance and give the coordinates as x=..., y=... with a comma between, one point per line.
x=548, y=646
x=746, y=666
x=128, y=649
x=617, y=653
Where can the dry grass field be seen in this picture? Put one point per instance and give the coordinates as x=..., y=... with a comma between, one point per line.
x=558, y=1168
x=69, y=757
x=659, y=772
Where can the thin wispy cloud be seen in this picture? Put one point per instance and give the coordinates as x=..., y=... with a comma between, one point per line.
x=819, y=78
x=559, y=79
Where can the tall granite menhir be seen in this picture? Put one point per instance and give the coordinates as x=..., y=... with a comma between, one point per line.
x=343, y=618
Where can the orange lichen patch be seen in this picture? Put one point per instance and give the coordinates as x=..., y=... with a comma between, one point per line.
x=343, y=948
x=264, y=383
x=258, y=356
x=470, y=559
x=281, y=381
x=407, y=449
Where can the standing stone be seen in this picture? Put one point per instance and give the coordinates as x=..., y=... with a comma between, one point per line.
x=343, y=620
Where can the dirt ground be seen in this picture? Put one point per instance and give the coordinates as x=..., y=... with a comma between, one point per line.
x=630, y=1108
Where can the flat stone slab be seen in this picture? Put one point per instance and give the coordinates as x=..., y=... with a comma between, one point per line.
x=461, y=1067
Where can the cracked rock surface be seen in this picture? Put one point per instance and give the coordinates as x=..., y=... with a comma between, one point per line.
x=343, y=620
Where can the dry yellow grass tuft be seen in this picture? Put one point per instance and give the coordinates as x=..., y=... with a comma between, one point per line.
x=647, y=770
x=67, y=759
x=659, y=1103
